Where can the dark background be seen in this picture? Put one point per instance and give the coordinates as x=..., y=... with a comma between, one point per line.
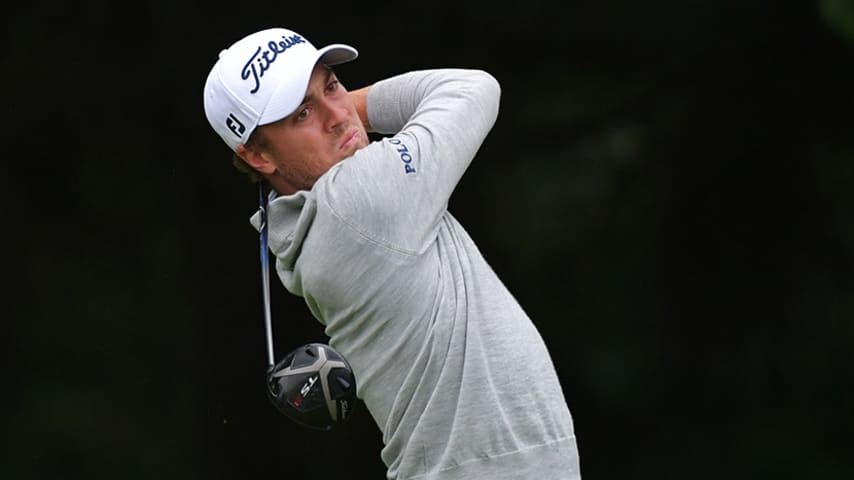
x=667, y=191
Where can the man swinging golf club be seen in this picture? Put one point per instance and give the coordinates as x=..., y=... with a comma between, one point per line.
x=449, y=365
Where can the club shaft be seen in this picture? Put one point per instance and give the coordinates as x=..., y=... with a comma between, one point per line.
x=265, y=275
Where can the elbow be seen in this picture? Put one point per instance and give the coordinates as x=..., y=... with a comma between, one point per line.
x=490, y=93
x=489, y=86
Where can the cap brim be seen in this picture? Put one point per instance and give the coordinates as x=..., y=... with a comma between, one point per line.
x=337, y=54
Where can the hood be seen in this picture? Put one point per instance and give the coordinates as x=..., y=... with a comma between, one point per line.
x=289, y=219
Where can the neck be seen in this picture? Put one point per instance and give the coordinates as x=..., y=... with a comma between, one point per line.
x=280, y=185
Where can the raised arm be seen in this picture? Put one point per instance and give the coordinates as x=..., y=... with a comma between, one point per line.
x=396, y=191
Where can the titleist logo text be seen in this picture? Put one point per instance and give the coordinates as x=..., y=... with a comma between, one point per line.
x=260, y=61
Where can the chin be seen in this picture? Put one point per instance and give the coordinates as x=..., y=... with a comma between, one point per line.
x=355, y=147
x=362, y=142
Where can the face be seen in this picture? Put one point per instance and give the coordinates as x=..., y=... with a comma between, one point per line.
x=321, y=132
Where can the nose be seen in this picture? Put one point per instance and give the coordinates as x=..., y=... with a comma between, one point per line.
x=336, y=114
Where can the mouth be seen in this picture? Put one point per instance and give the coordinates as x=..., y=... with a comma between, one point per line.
x=349, y=139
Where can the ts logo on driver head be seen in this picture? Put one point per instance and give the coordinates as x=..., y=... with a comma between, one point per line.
x=235, y=125
x=405, y=157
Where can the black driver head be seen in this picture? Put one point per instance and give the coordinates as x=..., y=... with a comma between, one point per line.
x=313, y=386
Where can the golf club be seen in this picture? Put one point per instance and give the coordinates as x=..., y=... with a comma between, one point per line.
x=314, y=384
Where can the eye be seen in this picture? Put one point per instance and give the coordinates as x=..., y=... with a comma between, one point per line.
x=333, y=85
x=301, y=115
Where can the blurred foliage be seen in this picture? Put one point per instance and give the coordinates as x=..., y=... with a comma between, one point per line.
x=667, y=191
x=839, y=15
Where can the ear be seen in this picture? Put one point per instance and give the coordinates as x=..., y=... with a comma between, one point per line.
x=256, y=159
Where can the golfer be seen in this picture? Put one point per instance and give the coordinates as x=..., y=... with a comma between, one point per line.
x=453, y=371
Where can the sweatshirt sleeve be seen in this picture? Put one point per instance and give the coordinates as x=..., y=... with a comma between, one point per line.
x=395, y=191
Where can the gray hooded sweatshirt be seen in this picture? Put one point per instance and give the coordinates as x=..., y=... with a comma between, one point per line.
x=451, y=368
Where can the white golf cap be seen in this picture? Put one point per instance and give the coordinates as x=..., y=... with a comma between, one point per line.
x=263, y=78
